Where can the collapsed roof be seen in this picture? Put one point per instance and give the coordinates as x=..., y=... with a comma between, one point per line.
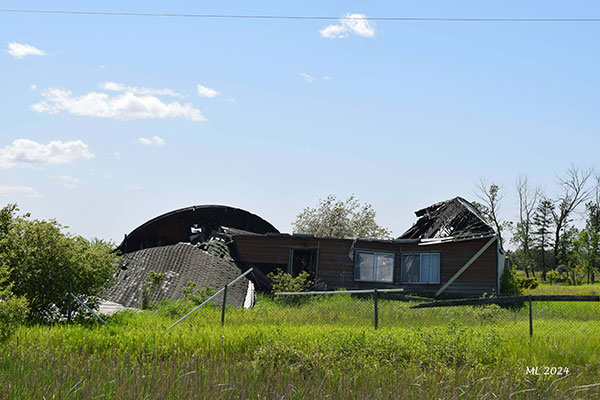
x=454, y=218
x=191, y=224
x=207, y=264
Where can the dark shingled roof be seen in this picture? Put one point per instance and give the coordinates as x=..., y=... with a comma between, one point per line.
x=455, y=218
x=180, y=263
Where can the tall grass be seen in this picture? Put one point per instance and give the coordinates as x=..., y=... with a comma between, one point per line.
x=327, y=347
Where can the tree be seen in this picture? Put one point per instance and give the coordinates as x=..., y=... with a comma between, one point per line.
x=45, y=264
x=586, y=252
x=339, y=219
x=543, y=222
x=491, y=195
x=522, y=235
x=13, y=309
x=574, y=193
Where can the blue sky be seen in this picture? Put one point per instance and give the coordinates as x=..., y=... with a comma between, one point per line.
x=402, y=114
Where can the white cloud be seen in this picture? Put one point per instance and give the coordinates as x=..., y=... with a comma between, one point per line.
x=108, y=174
x=14, y=191
x=19, y=50
x=68, y=181
x=355, y=24
x=26, y=152
x=326, y=78
x=125, y=106
x=33, y=87
x=207, y=92
x=135, y=187
x=307, y=77
x=156, y=141
x=119, y=87
x=117, y=154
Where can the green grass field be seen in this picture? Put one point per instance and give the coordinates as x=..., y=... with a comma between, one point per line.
x=325, y=348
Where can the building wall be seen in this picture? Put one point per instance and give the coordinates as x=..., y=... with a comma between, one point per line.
x=336, y=268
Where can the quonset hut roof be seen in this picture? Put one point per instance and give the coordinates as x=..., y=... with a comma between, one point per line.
x=208, y=264
x=456, y=218
x=176, y=226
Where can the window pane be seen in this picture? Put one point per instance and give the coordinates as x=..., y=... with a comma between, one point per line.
x=385, y=267
x=425, y=267
x=411, y=268
x=364, y=263
x=435, y=268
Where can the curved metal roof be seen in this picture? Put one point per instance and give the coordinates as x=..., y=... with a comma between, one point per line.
x=176, y=226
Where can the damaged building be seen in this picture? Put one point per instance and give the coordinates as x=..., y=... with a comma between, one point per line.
x=449, y=251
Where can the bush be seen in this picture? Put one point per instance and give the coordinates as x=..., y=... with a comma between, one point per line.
x=13, y=310
x=284, y=282
x=509, y=283
x=528, y=283
x=552, y=276
x=153, y=279
x=45, y=264
x=195, y=295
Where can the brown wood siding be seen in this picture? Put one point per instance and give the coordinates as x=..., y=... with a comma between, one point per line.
x=336, y=269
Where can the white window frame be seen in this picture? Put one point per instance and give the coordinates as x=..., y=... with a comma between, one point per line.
x=375, y=253
x=403, y=270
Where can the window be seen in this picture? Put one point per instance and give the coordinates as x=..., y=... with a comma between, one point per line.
x=372, y=266
x=421, y=268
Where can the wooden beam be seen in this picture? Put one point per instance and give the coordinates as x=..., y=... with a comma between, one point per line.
x=467, y=265
x=504, y=300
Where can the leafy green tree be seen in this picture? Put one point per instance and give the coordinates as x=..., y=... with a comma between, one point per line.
x=13, y=309
x=45, y=263
x=586, y=252
x=339, y=219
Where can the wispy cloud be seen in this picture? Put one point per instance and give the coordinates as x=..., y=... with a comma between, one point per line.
x=349, y=24
x=307, y=77
x=155, y=141
x=68, y=181
x=18, y=191
x=135, y=187
x=119, y=87
x=20, y=50
x=207, y=92
x=326, y=78
x=124, y=106
x=25, y=152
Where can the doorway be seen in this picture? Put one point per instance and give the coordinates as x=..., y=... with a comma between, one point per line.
x=303, y=260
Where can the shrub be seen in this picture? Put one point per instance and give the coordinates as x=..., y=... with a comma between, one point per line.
x=552, y=276
x=13, y=310
x=45, y=264
x=284, y=282
x=528, y=283
x=153, y=279
x=509, y=283
x=195, y=295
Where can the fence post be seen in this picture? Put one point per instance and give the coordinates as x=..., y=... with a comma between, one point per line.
x=375, y=296
x=530, y=318
x=224, y=304
x=70, y=300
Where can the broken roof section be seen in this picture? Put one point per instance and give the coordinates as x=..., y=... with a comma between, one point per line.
x=192, y=224
x=208, y=264
x=455, y=218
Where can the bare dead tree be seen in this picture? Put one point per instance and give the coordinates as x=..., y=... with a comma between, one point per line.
x=574, y=192
x=491, y=196
x=528, y=198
